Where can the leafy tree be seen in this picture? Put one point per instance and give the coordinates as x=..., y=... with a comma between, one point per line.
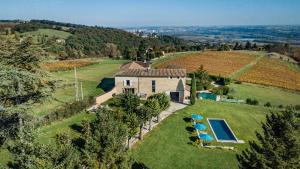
x=141, y=54
x=202, y=78
x=21, y=79
x=129, y=102
x=193, y=90
x=65, y=154
x=28, y=153
x=144, y=114
x=163, y=100
x=105, y=138
x=111, y=50
x=24, y=56
x=9, y=125
x=153, y=104
x=129, y=53
x=132, y=123
x=278, y=146
x=248, y=45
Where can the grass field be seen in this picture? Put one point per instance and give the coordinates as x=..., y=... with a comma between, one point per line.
x=49, y=33
x=276, y=96
x=90, y=77
x=170, y=144
x=224, y=63
x=272, y=72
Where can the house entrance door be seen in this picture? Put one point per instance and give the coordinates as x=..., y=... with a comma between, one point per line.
x=129, y=90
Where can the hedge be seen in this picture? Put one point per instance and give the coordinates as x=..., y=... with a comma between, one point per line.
x=68, y=110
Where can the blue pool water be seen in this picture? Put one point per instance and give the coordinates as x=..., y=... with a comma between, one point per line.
x=209, y=96
x=221, y=130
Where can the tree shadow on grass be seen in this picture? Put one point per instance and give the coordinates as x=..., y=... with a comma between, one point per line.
x=137, y=165
x=187, y=119
x=193, y=138
x=78, y=142
x=76, y=127
x=190, y=129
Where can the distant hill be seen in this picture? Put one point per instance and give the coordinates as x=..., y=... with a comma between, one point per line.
x=93, y=41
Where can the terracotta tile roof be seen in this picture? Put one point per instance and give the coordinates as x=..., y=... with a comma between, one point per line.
x=152, y=73
x=135, y=65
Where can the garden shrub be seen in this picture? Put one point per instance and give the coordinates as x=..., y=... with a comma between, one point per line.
x=225, y=90
x=252, y=101
x=268, y=104
x=230, y=97
x=68, y=110
x=221, y=90
x=221, y=80
x=297, y=107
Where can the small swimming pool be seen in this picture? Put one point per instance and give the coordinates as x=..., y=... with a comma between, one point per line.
x=207, y=96
x=221, y=130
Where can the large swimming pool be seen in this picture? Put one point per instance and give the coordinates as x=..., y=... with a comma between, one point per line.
x=221, y=130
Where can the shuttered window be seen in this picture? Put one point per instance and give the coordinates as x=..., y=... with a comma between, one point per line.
x=153, y=86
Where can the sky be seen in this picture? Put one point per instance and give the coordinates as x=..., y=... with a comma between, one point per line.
x=127, y=13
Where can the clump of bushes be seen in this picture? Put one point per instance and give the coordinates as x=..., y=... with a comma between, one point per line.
x=68, y=110
x=268, y=104
x=251, y=101
x=163, y=100
x=230, y=97
x=221, y=90
x=220, y=80
x=297, y=107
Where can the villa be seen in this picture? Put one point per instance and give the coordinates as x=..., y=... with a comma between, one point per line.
x=140, y=79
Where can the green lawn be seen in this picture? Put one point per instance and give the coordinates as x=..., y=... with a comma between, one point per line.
x=90, y=77
x=169, y=144
x=49, y=33
x=5, y=156
x=276, y=96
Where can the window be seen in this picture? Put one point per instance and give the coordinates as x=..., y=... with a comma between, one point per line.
x=127, y=83
x=153, y=86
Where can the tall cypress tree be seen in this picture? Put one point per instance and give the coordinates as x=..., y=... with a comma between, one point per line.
x=278, y=146
x=193, y=90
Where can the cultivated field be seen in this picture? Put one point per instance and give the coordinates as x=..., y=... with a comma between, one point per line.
x=215, y=62
x=272, y=72
x=66, y=64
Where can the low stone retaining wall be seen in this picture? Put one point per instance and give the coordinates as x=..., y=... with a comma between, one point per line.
x=104, y=97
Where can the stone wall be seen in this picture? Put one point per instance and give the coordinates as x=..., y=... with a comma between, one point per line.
x=143, y=85
x=104, y=97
